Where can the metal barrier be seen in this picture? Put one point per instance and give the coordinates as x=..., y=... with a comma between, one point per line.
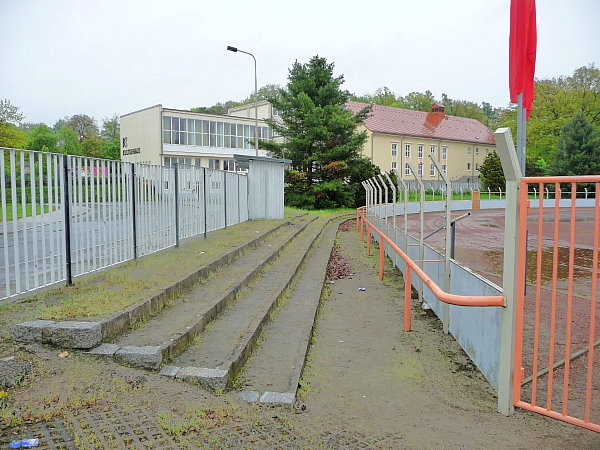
x=557, y=323
x=65, y=215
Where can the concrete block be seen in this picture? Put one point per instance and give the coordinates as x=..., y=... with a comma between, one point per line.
x=73, y=334
x=169, y=371
x=29, y=332
x=104, y=350
x=147, y=357
x=278, y=398
x=250, y=396
x=211, y=378
x=114, y=325
x=138, y=311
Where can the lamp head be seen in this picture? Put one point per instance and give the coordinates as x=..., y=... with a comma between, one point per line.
x=232, y=49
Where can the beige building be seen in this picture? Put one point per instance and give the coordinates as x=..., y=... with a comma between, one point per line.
x=165, y=136
x=400, y=138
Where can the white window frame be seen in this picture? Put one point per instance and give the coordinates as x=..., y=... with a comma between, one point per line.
x=394, y=165
x=468, y=167
x=406, y=169
x=432, y=170
x=477, y=150
x=444, y=168
x=394, y=149
x=432, y=149
x=420, y=169
x=444, y=153
x=469, y=150
x=407, y=150
x=420, y=154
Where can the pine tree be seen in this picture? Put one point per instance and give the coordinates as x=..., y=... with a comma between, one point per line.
x=578, y=150
x=491, y=173
x=320, y=137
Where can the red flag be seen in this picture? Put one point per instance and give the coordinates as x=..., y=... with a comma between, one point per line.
x=523, y=41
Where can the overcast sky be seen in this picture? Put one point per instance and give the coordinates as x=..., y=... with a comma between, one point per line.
x=105, y=57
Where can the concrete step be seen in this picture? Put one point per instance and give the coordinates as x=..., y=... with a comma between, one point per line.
x=227, y=342
x=166, y=334
x=273, y=372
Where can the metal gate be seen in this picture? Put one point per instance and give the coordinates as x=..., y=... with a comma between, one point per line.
x=557, y=354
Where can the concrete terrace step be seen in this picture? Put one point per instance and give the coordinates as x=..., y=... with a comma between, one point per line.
x=227, y=342
x=273, y=372
x=88, y=334
x=166, y=334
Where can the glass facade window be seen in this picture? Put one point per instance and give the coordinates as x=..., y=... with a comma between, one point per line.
x=420, y=169
x=214, y=164
x=469, y=166
x=211, y=133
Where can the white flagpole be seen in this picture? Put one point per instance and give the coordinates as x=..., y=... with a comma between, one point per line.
x=521, y=132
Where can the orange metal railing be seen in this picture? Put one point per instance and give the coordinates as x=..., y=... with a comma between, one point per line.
x=556, y=317
x=452, y=299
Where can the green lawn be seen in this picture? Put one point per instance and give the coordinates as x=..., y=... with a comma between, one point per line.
x=28, y=211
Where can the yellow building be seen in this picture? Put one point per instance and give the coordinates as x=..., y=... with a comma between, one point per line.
x=399, y=138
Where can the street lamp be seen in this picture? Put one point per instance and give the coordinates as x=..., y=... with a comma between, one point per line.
x=235, y=50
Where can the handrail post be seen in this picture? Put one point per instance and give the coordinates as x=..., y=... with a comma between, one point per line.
x=512, y=172
x=447, y=243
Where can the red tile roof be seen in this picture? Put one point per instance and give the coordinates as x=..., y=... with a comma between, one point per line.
x=432, y=125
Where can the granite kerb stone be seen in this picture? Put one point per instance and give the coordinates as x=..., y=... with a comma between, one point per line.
x=114, y=324
x=70, y=334
x=145, y=357
x=29, y=332
x=278, y=398
x=211, y=378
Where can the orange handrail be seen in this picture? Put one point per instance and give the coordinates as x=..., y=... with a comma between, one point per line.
x=452, y=299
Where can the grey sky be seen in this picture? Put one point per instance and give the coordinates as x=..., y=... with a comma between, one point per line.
x=63, y=57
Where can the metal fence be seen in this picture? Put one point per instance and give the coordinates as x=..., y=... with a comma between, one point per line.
x=65, y=216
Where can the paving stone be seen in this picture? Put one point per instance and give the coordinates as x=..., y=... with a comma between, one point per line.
x=147, y=357
x=30, y=331
x=278, y=398
x=12, y=371
x=212, y=378
x=250, y=396
x=169, y=371
x=82, y=335
x=104, y=350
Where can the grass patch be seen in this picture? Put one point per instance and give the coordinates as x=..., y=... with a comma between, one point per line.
x=290, y=211
x=28, y=211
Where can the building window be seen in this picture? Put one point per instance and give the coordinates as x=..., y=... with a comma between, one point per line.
x=487, y=151
x=444, y=152
x=444, y=168
x=394, y=149
x=476, y=166
x=406, y=169
x=432, y=149
x=214, y=163
x=420, y=151
x=469, y=150
x=407, y=150
x=229, y=165
x=469, y=166
x=432, y=170
x=420, y=169
x=394, y=165
x=477, y=150
x=275, y=111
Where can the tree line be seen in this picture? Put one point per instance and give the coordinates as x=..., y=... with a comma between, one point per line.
x=76, y=135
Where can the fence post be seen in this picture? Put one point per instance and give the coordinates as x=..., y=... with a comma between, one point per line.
x=512, y=172
x=67, y=211
x=204, y=189
x=225, y=197
x=238, y=202
x=176, y=191
x=133, y=211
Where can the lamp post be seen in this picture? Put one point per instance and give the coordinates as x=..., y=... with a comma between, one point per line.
x=235, y=50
